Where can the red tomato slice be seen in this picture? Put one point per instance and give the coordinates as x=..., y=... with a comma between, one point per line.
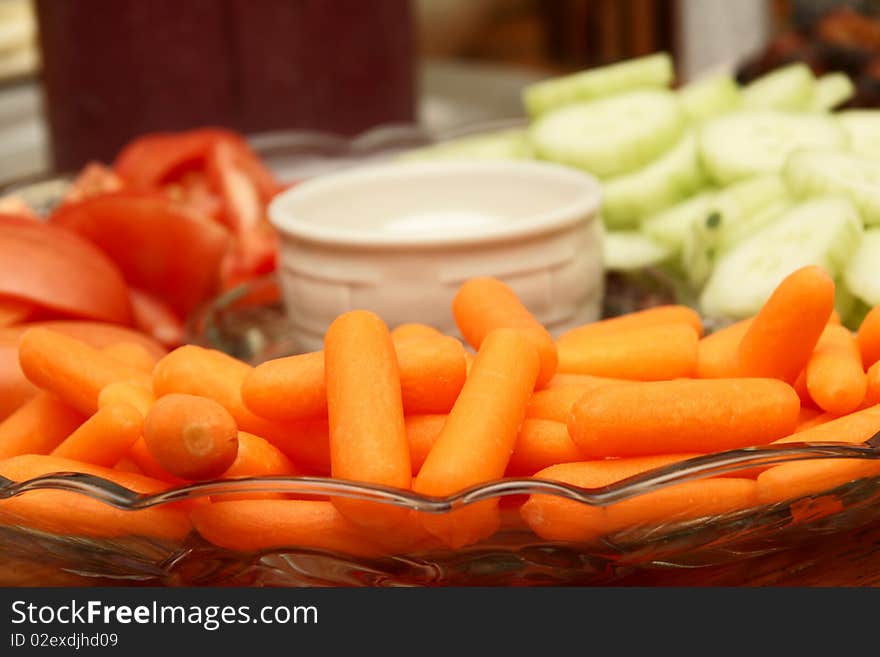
x=57, y=269
x=156, y=319
x=160, y=250
x=94, y=179
x=254, y=255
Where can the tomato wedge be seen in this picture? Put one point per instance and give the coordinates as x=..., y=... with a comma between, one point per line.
x=156, y=319
x=167, y=253
x=54, y=268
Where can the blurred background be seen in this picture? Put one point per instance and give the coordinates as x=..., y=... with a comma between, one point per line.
x=80, y=77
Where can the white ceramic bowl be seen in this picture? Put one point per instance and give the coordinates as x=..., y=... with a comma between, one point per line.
x=400, y=238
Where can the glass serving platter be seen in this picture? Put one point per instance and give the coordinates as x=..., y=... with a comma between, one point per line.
x=249, y=323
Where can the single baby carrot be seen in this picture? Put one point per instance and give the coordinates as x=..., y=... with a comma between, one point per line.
x=484, y=304
x=145, y=462
x=479, y=435
x=132, y=354
x=717, y=352
x=73, y=514
x=868, y=337
x=255, y=525
x=71, y=369
x=834, y=375
x=815, y=421
x=561, y=380
x=780, y=340
x=432, y=371
x=853, y=428
x=125, y=392
x=38, y=426
x=210, y=373
x=657, y=316
x=365, y=412
x=193, y=438
x=556, y=403
x=421, y=434
x=687, y=415
x=104, y=438
x=541, y=443
x=558, y=519
x=800, y=387
x=127, y=464
x=667, y=351
x=414, y=330
x=256, y=458
x=872, y=391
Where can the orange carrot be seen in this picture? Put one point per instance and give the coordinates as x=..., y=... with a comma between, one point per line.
x=127, y=464
x=14, y=311
x=209, y=373
x=821, y=418
x=853, y=428
x=541, y=443
x=414, y=330
x=806, y=417
x=421, y=434
x=132, y=354
x=716, y=353
x=479, y=435
x=38, y=426
x=73, y=514
x=868, y=337
x=484, y=304
x=872, y=392
x=650, y=317
x=147, y=463
x=432, y=371
x=255, y=525
x=71, y=369
x=256, y=458
x=834, y=375
x=193, y=438
x=104, y=438
x=800, y=387
x=687, y=415
x=581, y=380
x=667, y=351
x=125, y=392
x=557, y=519
x=785, y=331
x=556, y=403
x=367, y=432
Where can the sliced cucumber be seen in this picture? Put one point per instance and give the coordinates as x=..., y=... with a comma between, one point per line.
x=832, y=90
x=627, y=250
x=650, y=72
x=747, y=224
x=863, y=128
x=788, y=88
x=500, y=145
x=751, y=142
x=709, y=97
x=667, y=180
x=672, y=225
x=612, y=136
x=814, y=172
x=862, y=274
x=823, y=231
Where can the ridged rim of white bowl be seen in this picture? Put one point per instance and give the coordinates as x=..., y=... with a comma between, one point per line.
x=586, y=204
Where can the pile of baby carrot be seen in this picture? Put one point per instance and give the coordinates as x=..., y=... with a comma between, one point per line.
x=413, y=409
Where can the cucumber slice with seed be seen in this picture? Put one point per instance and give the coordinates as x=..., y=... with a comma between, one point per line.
x=709, y=97
x=631, y=250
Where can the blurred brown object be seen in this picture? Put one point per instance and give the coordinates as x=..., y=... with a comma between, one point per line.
x=114, y=69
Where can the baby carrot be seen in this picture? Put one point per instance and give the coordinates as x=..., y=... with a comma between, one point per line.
x=479, y=435
x=556, y=403
x=127, y=464
x=255, y=525
x=73, y=514
x=798, y=478
x=558, y=519
x=131, y=354
x=800, y=387
x=38, y=426
x=868, y=337
x=815, y=421
x=421, y=434
x=289, y=388
x=687, y=415
x=432, y=372
x=125, y=392
x=834, y=375
x=145, y=462
x=104, y=438
x=365, y=412
x=541, y=443
x=71, y=369
x=872, y=392
x=193, y=438
x=256, y=458
x=667, y=351
x=561, y=380
x=785, y=331
x=484, y=304
x=716, y=353
x=414, y=330
x=209, y=373
x=853, y=428
x=657, y=316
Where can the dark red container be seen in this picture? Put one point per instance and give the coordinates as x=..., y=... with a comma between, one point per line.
x=114, y=69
